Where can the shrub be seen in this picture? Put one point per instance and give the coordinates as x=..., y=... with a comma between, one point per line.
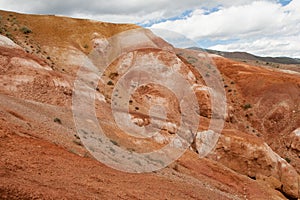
x=113, y=75
x=77, y=142
x=288, y=160
x=247, y=106
x=25, y=30
x=8, y=34
x=114, y=142
x=110, y=83
x=57, y=120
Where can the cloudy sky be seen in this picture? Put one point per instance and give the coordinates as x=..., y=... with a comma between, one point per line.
x=264, y=27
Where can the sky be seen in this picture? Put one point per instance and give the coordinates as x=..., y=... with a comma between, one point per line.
x=263, y=27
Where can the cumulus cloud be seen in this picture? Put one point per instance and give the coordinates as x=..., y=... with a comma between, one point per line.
x=279, y=46
x=263, y=27
x=239, y=21
x=172, y=37
x=259, y=27
x=130, y=11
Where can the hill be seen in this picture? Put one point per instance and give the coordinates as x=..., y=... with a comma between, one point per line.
x=247, y=56
x=63, y=78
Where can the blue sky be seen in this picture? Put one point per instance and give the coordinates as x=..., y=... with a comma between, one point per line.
x=261, y=27
x=266, y=28
x=203, y=43
x=284, y=2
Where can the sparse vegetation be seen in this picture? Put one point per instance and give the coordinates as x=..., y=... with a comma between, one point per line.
x=114, y=142
x=112, y=150
x=73, y=151
x=78, y=142
x=8, y=34
x=86, y=155
x=57, y=120
x=76, y=136
x=131, y=149
x=239, y=138
x=175, y=167
x=247, y=106
x=25, y=30
x=113, y=75
x=14, y=21
x=110, y=83
x=258, y=135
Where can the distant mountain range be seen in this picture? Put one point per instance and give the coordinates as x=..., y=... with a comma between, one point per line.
x=248, y=56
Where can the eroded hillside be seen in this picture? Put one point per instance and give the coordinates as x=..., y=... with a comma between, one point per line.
x=43, y=156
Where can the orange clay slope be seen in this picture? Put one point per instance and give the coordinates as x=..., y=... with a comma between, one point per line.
x=43, y=156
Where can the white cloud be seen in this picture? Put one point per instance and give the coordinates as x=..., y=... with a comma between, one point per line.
x=172, y=37
x=279, y=46
x=130, y=11
x=260, y=27
x=252, y=26
x=236, y=20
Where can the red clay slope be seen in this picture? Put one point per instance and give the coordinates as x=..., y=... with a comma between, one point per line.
x=42, y=156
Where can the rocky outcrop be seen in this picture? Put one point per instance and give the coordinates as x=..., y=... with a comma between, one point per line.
x=293, y=141
x=250, y=156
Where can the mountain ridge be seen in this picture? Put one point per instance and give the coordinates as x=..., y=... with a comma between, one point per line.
x=238, y=55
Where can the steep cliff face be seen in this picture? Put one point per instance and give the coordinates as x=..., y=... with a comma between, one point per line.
x=131, y=73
